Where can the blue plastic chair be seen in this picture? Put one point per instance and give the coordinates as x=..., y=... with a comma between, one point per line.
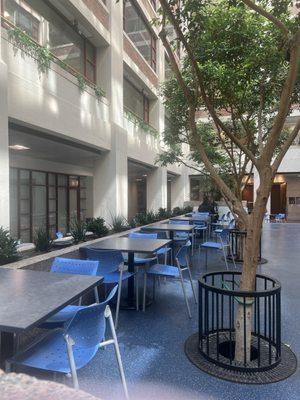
x=220, y=246
x=280, y=217
x=111, y=268
x=140, y=260
x=65, y=350
x=75, y=267
x=170, y=271
x=182, y=236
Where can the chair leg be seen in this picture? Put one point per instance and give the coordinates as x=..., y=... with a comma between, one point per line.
x=7, y=367
x=80, y=301
x=118, y=300
x=117, y=350
x=154, y=284
x=206, y=259
x=137, y=300
x=225, y=258
x=185, y=296
x=191, y=280
x=96, y=294
x=231, y=253
x=70, y=343
x=144, y=292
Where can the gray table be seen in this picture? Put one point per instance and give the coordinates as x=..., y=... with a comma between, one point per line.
x=27, y=298
x=171, y=228
x=131, y=246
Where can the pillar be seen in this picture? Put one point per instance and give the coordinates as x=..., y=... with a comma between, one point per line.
x=4, y=151
x=157, y=189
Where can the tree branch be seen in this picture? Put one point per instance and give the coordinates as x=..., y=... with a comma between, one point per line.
x=280, y=25
x=168, y=11
x=286, y=146
x=284, y=102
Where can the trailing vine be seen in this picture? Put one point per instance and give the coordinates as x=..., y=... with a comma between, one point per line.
x=43, y=58
x=140, y=123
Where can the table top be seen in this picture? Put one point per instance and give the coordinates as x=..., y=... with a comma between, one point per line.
x=28, y=298
x=132, y=244
x=169, y=227
x=189, y=219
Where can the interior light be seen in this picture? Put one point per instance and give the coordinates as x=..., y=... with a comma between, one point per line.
x=6, y=14
x=144, y=175
x=18, y=147
x=139, y=180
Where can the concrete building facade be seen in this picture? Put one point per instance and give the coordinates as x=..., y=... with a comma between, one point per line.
x=66, y=152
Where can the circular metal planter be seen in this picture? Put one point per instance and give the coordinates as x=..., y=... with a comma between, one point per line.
x=214, y=344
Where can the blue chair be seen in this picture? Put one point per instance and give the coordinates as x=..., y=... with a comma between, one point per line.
x=220, y=246
x=76, y=267
x=169, y=271
x=182, y=236
x=280, y=217
x=231, y=225
x=67, y=349
x=111, y=268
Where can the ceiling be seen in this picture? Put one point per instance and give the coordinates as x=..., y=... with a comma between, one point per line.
x=138, y=170
x=43, y=147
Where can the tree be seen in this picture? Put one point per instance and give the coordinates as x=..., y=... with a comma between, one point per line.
x=241, y=66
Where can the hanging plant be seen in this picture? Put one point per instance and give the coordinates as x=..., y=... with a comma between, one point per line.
x=43, y=58
x=140, y=123
x=23, y=42
x=81, y=83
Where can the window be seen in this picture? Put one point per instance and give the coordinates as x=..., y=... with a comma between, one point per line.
x=136, y=101
x=46, y=26
x=44, y=200
x=139, y=32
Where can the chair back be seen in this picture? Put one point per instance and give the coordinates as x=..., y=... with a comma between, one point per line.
x=109, y=260
x=162, y=235
x=182, y=254
x=224, y=237
x=141, y=235
x=74, y=266
x=59, y=235
x=178, y=222
x=231, y=224
x=87, y=327
x=223, y=217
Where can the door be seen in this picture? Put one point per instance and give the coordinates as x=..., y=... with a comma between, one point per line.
x=278, y=198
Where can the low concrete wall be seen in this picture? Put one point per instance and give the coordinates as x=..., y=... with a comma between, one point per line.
x=42, y=262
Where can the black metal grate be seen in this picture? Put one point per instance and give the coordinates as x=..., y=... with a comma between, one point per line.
x=219, y=299
x=284, y=369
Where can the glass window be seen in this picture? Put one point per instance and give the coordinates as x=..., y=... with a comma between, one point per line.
x=41, y=199
x=139, y=32
x=45, y=25
x=22, y=15
x=39, y=207
x=136, y=101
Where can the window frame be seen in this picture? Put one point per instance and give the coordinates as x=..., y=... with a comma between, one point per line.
x=146, y=102
x=86, y=60
x=153, y=39
x=47, y=185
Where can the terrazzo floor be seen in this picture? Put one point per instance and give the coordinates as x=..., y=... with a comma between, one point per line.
x=152, y=343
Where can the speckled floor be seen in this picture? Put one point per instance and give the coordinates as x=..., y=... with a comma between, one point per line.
x=152, y=342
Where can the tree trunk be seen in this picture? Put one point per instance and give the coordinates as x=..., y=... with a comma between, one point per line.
x=243, y=323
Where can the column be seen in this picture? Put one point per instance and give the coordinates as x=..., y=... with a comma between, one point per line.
x=110, y=172
x=157, y=189
x=4, y=151
x=180, y=192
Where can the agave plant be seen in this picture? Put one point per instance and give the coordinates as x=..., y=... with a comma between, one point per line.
x=97, y=226
x=78, y=230
x=118, y=223
x=8, y=247
x=42, y=240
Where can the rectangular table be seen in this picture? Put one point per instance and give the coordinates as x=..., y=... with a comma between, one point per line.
x=28, y=298
x=131, y=246
x=171, y=228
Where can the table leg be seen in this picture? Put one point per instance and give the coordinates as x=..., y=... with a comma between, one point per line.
x=172, y=245
x=130, y=296
x=7, y=347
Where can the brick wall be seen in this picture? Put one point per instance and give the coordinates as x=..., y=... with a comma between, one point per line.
x=99, y=11
x=139, y=61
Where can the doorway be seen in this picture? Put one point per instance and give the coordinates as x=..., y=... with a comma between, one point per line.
x=278, y=198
